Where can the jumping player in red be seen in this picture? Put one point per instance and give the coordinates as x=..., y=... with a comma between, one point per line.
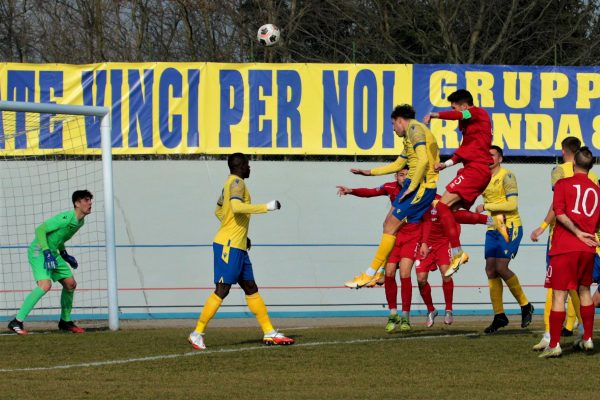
x=472, y=179
x=402, y=256
x=434, y=253
x=390, y=189
x=576, y=205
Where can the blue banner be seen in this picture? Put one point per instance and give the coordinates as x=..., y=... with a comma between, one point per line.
x=532, y=108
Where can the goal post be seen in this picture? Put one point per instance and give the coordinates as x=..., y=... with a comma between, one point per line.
x=103, y=114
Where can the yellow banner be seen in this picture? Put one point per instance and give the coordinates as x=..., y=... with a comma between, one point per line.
x=291, y=109
x=195, y=108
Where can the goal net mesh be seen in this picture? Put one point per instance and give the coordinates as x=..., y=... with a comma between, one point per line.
x=41, y=165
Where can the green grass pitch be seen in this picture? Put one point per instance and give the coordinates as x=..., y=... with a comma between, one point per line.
x=345, y=361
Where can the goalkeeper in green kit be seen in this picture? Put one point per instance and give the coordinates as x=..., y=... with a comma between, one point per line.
x=50, y=262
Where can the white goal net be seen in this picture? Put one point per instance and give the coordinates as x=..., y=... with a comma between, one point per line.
x=44, y=158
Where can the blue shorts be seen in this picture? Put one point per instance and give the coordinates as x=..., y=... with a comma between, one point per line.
x=596, y=273
x=496, y=246
x=231, y=265
x=413, y=206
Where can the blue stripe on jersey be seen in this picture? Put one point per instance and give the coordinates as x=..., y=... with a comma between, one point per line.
x=403, y=156
x=236, y=198
x=512, y=194
x=418, y=144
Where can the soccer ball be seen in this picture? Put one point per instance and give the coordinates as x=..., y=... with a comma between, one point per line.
x=268, y=35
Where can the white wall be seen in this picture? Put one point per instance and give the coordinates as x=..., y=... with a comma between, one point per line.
x=302, y=254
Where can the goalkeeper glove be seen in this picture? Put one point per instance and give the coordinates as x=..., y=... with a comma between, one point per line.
x=248, y=244
x=273, y=205
x=49, y=261
x=69, y=259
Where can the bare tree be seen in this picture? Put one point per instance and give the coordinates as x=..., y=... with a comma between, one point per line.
x=535, y=32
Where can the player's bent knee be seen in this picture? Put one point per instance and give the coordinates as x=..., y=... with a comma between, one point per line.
x=596, y=299
x=222, y=290
x=450, y=199
x=491, y=273
x=249, y=287
x=68, y=284
x=45, y=285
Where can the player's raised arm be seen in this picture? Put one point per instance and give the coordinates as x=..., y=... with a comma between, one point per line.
x=343, y=190
x=357, y=171
x=361, y=192
x=392, y=167
x=239, y=207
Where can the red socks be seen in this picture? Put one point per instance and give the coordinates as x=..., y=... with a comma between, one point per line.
x=587, y=316
x=406, y=293
x=391, y=292
x=557, y=318
x=425, y=291
x=448, y=288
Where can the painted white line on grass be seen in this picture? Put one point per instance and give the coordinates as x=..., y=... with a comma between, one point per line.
x=29, y=333
x=231, y=350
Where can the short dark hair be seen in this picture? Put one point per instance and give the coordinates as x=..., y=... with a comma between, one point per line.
x=405, y=111
x=461, y=96
x=571, y=144
x=584, y=158
x=81, y=194
x=236, y=160
x=498, y=149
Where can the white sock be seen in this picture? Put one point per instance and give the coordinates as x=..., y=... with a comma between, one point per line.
x=370, y=271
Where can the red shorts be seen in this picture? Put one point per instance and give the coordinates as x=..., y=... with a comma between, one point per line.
x=439, y=254
x=407, y=243
x=568, y=271
x=470, y=182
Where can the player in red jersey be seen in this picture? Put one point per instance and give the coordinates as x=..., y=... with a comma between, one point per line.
x=390, y=189
x=576, y=205
x=434, y=253
x=473, y=178
x=402, y=256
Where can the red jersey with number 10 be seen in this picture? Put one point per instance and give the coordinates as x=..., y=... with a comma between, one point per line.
x=578, y=198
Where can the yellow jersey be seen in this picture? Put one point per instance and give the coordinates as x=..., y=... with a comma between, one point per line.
x=500, y=197
x=233, y=210
x=421, y=153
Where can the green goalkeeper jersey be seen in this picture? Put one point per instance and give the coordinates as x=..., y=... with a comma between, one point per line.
x=56, y=231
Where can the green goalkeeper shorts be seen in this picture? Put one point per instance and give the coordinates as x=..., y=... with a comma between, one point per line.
x=36, y=260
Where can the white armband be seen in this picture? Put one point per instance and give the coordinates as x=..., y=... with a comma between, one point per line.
x=448, y=163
